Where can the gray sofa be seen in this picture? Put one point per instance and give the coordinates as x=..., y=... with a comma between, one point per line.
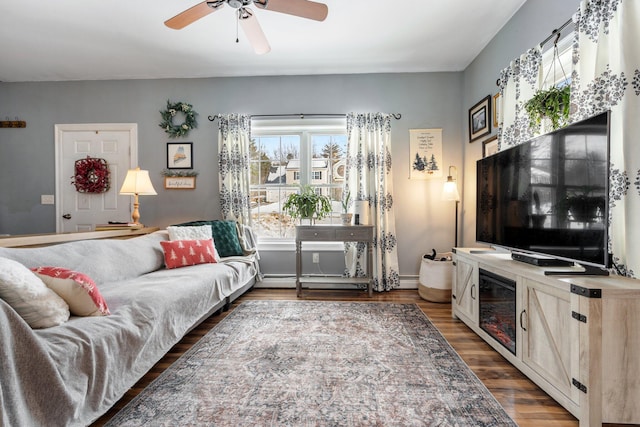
x=73, y=373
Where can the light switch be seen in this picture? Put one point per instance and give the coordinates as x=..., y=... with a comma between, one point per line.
x=47, y=199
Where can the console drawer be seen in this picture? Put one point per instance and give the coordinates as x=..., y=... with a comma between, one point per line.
x=354, y=234
x=315, y=233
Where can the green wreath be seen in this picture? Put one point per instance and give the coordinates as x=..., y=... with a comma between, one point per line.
x=181, y=129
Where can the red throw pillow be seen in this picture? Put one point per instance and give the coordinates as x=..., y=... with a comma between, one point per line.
x=182, y=253
x=77, y=289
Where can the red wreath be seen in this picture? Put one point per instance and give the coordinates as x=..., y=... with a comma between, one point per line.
x=91, y=175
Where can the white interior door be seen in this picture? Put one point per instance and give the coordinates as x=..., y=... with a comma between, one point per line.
x=118, y=145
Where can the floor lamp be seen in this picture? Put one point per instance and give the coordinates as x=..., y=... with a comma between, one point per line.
x=450, y=193
x=137, y=183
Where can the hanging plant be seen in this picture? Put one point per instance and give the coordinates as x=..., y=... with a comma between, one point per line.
x=552, y=103
x=92, y=175
x=180, y=129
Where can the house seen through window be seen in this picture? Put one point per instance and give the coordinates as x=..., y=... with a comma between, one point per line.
x=287, y=154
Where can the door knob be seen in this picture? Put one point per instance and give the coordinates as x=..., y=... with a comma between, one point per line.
x=66, y=216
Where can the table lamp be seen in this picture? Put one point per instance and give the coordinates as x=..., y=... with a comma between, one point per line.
x=137, y=183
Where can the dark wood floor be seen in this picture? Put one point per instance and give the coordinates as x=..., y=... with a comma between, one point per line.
x=523, y=400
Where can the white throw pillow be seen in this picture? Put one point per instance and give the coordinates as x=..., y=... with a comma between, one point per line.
x=199, y=232
x=193, y=232
x=38, y=305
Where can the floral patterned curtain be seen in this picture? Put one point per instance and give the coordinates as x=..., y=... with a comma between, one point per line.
x=606, y=76
x=369, y=179
x=518, y=83
x=234, y=134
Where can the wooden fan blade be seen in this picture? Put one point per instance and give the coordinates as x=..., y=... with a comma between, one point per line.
x=254, y=33
x=302, y=8
x=190, y=15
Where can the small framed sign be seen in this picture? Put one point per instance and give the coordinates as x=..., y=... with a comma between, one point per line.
x=180, y=182
x=490, y=146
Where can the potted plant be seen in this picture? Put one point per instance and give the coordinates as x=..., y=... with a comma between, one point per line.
x=346, y=216
x=552, y=103
x=306, y=203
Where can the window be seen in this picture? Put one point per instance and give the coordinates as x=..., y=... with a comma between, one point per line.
x=558, y=72
x=285, y=154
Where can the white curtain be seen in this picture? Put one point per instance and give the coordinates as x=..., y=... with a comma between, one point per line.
x=234, y=135
x=369, y=179
x=518, y=83
x=606, y=76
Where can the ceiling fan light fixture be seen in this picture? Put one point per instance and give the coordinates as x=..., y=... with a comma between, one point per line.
x=237, y=4
x=215, y=4
x=253, y=31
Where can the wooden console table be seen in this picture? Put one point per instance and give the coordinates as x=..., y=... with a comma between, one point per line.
x=36, y=240
x=334, y=233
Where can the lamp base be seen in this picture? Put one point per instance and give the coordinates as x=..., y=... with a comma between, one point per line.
x=135, y=215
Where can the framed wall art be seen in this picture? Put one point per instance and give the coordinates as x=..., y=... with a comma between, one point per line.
x=495, y=108
x=426, y=153
x=179, y=155
x=490, y=146
x=480, y=119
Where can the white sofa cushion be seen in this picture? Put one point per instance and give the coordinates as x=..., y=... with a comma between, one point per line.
x=38, y=305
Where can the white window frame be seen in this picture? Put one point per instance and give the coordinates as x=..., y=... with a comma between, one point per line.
x=305, y=129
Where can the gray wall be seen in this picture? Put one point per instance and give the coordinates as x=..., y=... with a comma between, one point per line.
x=532, y=24
x=425, y=100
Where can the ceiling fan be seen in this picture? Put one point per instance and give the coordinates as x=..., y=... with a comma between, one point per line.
x=249, y=23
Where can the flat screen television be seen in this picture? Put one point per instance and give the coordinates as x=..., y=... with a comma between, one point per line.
x=549, y=196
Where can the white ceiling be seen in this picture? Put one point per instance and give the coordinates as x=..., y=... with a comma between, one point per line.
x=126, y=39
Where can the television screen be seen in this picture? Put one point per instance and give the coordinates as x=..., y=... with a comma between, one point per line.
x=549, y=195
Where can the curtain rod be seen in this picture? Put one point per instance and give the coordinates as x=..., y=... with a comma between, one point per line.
x=396, y=116
x=556, y=33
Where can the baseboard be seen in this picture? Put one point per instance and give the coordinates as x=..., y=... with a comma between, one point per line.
x=279, y=282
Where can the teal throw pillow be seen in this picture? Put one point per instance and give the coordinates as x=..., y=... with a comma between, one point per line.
x=225, y=236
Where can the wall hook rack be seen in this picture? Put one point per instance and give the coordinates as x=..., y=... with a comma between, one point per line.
x=13, y=124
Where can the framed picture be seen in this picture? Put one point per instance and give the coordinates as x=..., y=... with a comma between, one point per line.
x=480, y=119
x=426, y=153
x=179, y=155
x=490, y=146
x=180, y=182
x=495, y=108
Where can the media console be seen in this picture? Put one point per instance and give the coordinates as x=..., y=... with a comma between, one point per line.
x=577, y=337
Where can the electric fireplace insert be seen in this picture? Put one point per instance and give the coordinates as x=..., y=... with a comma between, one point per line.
x=497, y=300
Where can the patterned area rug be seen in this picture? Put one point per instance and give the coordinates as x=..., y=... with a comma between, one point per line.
x=303, y=363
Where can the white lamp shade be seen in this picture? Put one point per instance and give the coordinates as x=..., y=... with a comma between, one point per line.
x=137, y=182
x=450, y=191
